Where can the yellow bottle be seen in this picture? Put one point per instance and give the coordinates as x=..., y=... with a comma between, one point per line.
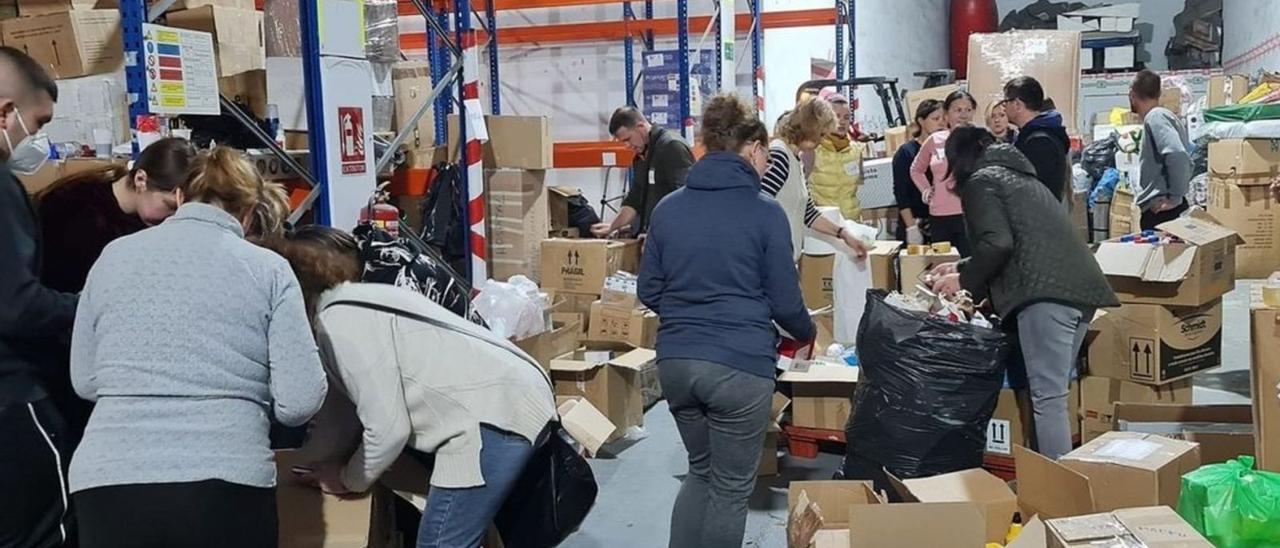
x=1014, y=531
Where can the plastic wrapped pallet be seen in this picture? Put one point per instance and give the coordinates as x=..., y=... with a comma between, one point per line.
x=283, y=28
x=382, y=31
x=1051, y=57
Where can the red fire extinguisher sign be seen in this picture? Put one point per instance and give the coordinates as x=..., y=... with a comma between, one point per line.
x=351, y=144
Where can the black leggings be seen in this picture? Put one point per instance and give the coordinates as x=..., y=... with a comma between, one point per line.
x=1150, y=219
x=200, y=514
x=950, y=228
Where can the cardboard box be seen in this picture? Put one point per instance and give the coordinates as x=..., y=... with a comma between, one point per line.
x=635, y=326
x=609, y=379
x=309, y=518
x=1100, y=395
x=882, y=256
x=822, y=396
x=1227, y=90
x=1116, y=470
x=1151, y=527
x=769, y=453
x=1255, y=215
x=237, y=36
x=585, y=423
x=30, y=8
x=581, y=266
x=945, y=524
x=517, y=221
x=72, y=44
x=249, y=88
x=1156, y=344
x=1008, y=425
x=411, y=84
x=815, y=280
x=1245, y=161
x=991, y=495
x=1224, y=432
x=572, y=306
x=562, y=339
x=940, y=93
x=1265, y=377
x=1170, y=98
x=184, y=4
x=825, y=324
x=558, y=205
x=1125, y=217
x=821, y=509
x=1184, y=274
x=521, y=142
x=914, y=267
x=1050, y=56
x=894, y=138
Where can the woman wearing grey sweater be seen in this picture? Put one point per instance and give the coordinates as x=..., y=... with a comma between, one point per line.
x=190, y=339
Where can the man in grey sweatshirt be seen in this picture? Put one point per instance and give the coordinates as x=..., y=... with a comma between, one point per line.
x=1165, y=177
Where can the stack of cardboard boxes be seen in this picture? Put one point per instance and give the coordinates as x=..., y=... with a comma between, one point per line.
x=1240, y=171
x=1265, y=376
x=1169, y=326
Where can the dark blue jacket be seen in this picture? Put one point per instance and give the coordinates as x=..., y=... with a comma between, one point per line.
x=1044, y=141
x=718, y=270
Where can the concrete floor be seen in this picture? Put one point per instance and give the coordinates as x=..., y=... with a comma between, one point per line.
x=639, y=480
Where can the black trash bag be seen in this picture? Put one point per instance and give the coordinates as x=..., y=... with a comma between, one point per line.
x=1098, y=157
x=406, y=261
x=442, y=216
x=553, y=496
x=927, y=390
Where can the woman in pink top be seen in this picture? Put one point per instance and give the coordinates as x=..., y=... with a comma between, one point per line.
x=929, y=172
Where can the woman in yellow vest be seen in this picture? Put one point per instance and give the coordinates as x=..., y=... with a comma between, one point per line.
x=837, y=165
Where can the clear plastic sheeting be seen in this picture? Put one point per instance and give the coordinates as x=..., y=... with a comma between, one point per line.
x=928, y=388
x=514, y=309
x=283, y=28
x=382, y=31
x=1050, y=56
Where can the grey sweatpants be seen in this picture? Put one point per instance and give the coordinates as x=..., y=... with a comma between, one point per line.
x=722, y=414
x=1051, y=335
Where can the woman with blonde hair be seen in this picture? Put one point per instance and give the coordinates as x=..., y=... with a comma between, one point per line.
x=191, y=340
x=800, y=131
x=998, y=123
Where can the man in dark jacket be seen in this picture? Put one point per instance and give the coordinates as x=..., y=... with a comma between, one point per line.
x=1041, y=135
x=1035, y=267
x=34, y=323
x=662, y=162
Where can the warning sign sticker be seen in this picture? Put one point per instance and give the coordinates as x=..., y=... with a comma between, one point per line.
x=998, y=437
x=182, y=75
x=351, y=149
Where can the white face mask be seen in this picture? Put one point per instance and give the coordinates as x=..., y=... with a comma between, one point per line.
x=31, y=153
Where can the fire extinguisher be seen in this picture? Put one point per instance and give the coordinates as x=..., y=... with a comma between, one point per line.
x=381, y=214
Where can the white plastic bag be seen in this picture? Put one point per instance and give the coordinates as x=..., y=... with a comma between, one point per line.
x=514, y=309
x=850, y=280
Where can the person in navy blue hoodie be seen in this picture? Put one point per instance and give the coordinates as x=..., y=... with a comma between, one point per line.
x=718, y=270
x=1041, y=136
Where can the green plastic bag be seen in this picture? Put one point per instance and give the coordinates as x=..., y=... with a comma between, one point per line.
x=1233, y=505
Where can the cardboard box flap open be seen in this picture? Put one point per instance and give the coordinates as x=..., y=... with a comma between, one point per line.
x=565, y=191
x=586, y=424
x=916, y=524
x=1200, y=229
x=581, y=360
x=1033, y=535
x=1146, y=262
x=989, y=493
x=1048, y=489
x=822, y=373
x=634, y=360
x=1179, y=413
x=778, y=406
x=832, y=497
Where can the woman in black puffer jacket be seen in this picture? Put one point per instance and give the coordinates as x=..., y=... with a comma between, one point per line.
x=1028, y=259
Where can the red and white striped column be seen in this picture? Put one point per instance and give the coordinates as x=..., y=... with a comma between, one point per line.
x=476, y=132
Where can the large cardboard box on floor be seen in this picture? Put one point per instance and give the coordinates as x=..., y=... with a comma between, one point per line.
x=1265, y=377
x=1050, y=56
x=71, y=44
x=1150, y=527
x=1245, y=161
x=1156, y=344
x=517, y=221
x=913, y=267
x=1224, y=432
x=581, y=266
x=991, y=495
x=840, y=514
x=1255, y=215
x=561, y=339
x=1008, y=426
x=1100, y=395
x=1116, y=470
x=1227, y=90
x=815, y=280
x=609, y=379
x=237, y=36
x=310, y=518
x=521, y=142
x=822, y=395
x=1192, y=273
x=633, y=325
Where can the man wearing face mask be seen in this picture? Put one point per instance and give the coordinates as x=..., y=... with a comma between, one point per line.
x=33, y=319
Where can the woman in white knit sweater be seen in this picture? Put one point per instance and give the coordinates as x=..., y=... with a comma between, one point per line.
x=419, y=377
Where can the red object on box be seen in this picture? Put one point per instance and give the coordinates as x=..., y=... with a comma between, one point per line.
x=969, y=17
x=792, y=352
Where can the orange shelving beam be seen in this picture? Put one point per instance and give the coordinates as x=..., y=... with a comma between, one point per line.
x=610, y=30
x=591, y=154
x=406, y=8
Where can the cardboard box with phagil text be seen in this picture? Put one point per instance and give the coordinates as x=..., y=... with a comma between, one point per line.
x=581, y=266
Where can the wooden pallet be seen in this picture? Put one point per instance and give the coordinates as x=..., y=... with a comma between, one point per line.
x=804, y=442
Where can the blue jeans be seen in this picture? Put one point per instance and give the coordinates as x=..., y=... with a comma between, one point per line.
x=457, y=518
